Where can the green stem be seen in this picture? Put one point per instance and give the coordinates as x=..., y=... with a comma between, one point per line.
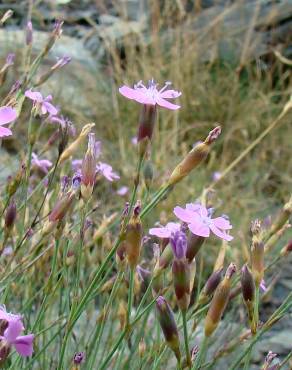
x=202, y=354
x=186, y=339
x=130, y=294
x=256, y=310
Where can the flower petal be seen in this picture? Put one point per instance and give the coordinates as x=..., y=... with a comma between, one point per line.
x=7, y=115
x=50, y=108
x=160, y=232
x=13, y=330
x=222, y=223
x=170, y=94
x=183, y=214
x=166, y=104
x=5, y=131
x=24, y=345
x=199, y=229
x=34, y=95
x=136, y=94
x=221, y=234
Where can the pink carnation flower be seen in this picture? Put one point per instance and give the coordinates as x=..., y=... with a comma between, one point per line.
x=23, y=344
x=165, y=231
x=7, y=316
x=41, y=164
x=7, y=115
x=123, y=190
x=151, y=95
x=107, y=171
x=200, y=222
x=42, y=105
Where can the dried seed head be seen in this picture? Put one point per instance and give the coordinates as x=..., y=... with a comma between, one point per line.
x=168, y=325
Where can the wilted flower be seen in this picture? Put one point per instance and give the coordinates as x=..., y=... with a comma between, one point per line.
x=7, y=115
x=41, y=164
x=42, y=105
x=165, y=231
x=23, y=344
x=107, y=171
x=200, y=222
x=151, y=95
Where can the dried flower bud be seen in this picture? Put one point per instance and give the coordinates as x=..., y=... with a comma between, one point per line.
x=282, y=218
x=121, y=256
x=142, y=348
x=193, y=245
x=10, y=215
x=219, y=302
x=194, y=157
x=88, y=168
x=122, y=314
x=168, y=325
x=6, y=16
x=73, y=147
x=146, y=125
x=133, y=238
x=181, y=281
x=257, y=261
x=287, y=249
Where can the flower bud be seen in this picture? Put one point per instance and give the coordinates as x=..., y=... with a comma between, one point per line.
x=4, y=351
x=88, y=168
x=142, y=348
x=29, y=31
x=73, y=147
x=168, y=325
x=146, y=125
x=257, y=261
x=210, y=286
x=248, y=292
x=193, y=245
x=287, y=249
x=163, y=261
x=10, y=215
x=193, y=268
x=6, y=16
x=219, y=302
x=133, y=237
x=121, y=256
x=282, y=218
x=122, y=314
x=194, y=157
x=14, y=182
x=181, y=281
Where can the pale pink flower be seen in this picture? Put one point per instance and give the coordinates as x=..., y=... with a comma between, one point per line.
x=151, y=95
x=23, y=344
x=200, y=222
x=41, y=164
x=122, y=191
x=107, y=171
x=42, y=105
x=7, y=115
x=165, y=231
x=7, y=316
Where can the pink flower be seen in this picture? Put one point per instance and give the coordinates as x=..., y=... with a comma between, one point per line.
x=23, y=344
x=41, y=164
x=123, y=190
x=42, y=105
x=151, y=95
x=165, y=231
x=107, y=171
x=7, y=115
x=200, y=222
x=7, y=316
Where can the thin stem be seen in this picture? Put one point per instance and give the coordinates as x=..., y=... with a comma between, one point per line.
x=130, y=294
x=202, y=354
x=186, y=339
x=256, y=310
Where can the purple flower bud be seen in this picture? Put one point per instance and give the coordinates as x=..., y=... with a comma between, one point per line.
x=10, y=215
x=137, y=208
x=247, y=284
x=29, y=31
x=178, y=242
x=78, y=358
x=212, y=283
x=10, y=59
